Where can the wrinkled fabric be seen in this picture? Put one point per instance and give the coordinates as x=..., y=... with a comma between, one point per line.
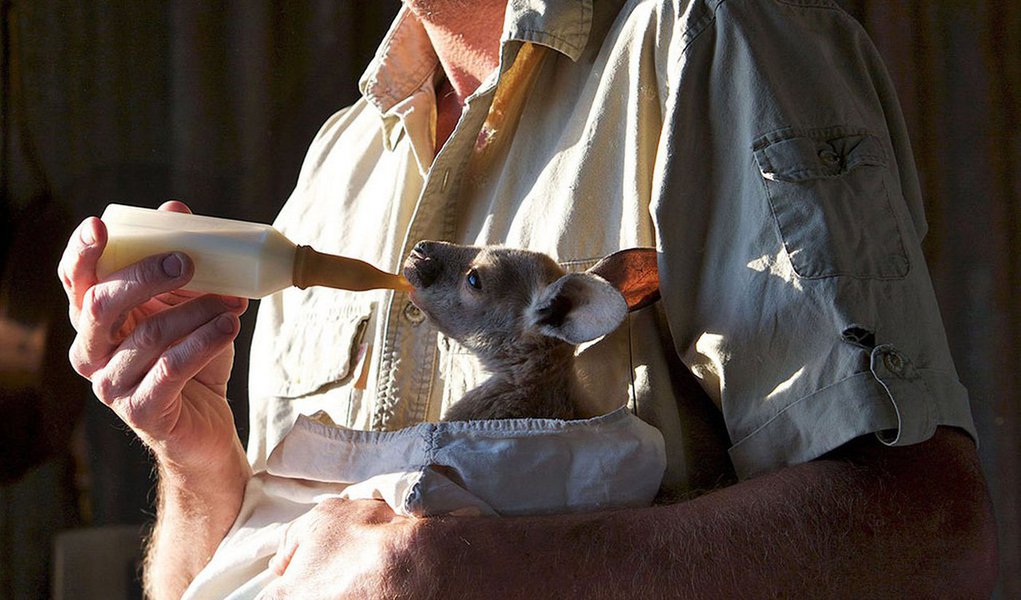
x=495, y=468
x=757, y=144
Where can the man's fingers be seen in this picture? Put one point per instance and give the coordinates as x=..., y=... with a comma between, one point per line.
x=285, y=552
x=77, y=266
x=106, y=305
x=175, y=206
x=150, y=339
x=180, y=363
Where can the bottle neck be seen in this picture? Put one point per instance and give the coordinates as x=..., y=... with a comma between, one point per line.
x=316, y=268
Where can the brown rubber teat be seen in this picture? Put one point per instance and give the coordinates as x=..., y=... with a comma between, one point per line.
x=315, y=268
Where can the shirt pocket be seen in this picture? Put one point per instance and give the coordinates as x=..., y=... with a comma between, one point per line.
x=318, y=348
x=828, y=194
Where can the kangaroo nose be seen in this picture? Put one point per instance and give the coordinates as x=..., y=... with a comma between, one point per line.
x=420, y=268
x=424, y=248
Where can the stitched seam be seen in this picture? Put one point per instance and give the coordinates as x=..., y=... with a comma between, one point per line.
x=820, y=4
x=578, y=262
x=794, y=404
x=689, y=36
x=814, y=173
x=825, y=132
x=865, y=374
x=547, y=35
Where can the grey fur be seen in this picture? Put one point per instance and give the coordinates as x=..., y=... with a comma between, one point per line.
x=523, y=323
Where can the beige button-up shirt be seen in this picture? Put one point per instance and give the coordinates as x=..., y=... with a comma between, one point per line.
x=757, y=144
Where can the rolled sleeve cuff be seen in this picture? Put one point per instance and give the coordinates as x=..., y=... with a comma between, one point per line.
x=898, y=402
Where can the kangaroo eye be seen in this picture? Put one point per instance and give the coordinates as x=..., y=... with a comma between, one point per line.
x=473, y=279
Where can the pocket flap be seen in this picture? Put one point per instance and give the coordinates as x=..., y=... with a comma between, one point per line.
x=796, y=156
x=316, y=347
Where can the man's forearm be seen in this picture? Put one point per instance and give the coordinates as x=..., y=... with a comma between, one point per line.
x=194, y=512
x=868, y=523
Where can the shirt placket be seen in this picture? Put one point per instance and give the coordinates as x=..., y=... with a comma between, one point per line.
x=409, y=354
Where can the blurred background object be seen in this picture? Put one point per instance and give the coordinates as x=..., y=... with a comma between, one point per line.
x=214, y=103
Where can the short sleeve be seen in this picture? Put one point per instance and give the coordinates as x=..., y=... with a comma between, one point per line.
x=789, y=228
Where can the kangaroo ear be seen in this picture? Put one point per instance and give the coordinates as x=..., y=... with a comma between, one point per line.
x=577, y=308
x=635, y=272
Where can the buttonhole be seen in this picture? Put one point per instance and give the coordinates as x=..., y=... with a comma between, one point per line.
x=859, y=336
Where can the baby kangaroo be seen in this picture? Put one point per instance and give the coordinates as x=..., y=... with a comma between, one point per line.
x=523, y=315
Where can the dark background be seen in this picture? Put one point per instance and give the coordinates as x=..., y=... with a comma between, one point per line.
x=214, y=103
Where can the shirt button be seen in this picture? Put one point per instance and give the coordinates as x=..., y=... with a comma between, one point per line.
x=894, y=362
x=413, y=314
x=829, y=157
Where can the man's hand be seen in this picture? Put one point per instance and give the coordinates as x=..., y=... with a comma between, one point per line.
x=350, y=549
x=160, y=358
x=865, y=522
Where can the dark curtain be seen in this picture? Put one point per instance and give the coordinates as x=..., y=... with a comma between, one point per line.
x=135, y=102
x=957, y=68
x=214, y=103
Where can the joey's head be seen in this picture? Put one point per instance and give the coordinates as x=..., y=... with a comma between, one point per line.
x=502, y=302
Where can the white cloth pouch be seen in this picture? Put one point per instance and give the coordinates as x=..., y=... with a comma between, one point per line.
x=501, y=467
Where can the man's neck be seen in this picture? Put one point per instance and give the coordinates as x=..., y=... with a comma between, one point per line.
x=466, y=37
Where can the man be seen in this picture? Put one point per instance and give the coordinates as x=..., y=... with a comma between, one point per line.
x=758, y=146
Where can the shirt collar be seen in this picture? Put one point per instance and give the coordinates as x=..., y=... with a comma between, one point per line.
x=405, y=60
x=562, y=25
